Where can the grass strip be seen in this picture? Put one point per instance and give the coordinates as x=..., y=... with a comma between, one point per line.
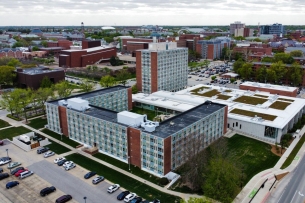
x=4, y=124
x=293, y=153
x=253, y=114
x=9, y=133
x=57, y=148
x=61, y=138
x=125, y=181
x=38, y=123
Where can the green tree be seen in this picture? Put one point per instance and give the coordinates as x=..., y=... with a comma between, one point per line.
x=63, y=89
x=44, y=43
x=14, y=63
x=196, y=200
x=213, y=77
x=206, y=63
x=222, y=178
x=107, y=81
x=134, y=89
x=267, y=60
x=225, y=52
x=237, y=65
x=25, y=98
x=279, y=69
x=46, y=82
x=123, y=76
x=35, y=48
x=86, y=85
x=42, y=95
x=7, y=102
x=296, y=53
x=246, y=70
x=285, y=58
x=17, y=44
x=271, y=74
x=261, y=74
x=296, y=74
x=7, y=74
x=257, y=40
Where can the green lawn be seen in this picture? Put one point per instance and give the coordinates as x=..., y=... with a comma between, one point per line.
x=133, y=169
x=38, y=123
x=127, y=182
x=256, y=156
x=4, y=124
x=150, y=114
x=294, y=152
x=58, y=137
x=57, y=148
x=13, y=132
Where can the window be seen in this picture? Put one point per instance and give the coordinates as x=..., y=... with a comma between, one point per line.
x=233, y=125
x=240, y=126
x=236, y=124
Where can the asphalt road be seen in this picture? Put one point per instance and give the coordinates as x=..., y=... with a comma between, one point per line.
x=72, y=185
x=295, y=190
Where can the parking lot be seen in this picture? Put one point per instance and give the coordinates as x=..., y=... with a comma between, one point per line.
x=46, y=174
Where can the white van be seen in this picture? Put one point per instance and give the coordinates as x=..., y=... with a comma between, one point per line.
x=25, y=174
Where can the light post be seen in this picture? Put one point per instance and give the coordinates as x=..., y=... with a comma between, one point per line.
x=85, y=199
x=7, y=152
x=129, y=162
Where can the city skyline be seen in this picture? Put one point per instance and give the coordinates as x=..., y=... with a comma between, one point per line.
x=143, y=12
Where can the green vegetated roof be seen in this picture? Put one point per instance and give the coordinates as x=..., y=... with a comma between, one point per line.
x=279, y=105
x=223, y=97
x=253, y=114
x=259, y=95
x=283, y=99
x=228, y=90
x=199, y=89
x=250, y=100
x=210, y=93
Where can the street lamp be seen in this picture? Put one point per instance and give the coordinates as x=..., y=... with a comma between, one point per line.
x=7, y=152
x=85, y=199
x=129, y=162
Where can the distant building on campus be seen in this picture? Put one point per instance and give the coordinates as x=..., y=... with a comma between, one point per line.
x=236, y=25
x=274, y=29
x=243, y=32
x=211, y=49
x=163, y=66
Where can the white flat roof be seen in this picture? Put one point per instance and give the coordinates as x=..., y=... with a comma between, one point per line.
x=269, y=86
x=184, y=100
x=96, y=48
x=130, y=114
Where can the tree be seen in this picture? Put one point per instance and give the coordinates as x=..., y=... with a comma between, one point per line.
x=271, y=75
x=25, y=98
x=257, y=40
x=246, y=70
x=285, y=58
x=7, y=74
x=86, y=85
x=63, y=89
x=44, y=43
x=213, y=77
x=17, y=44
x=196, y=200
x=123, y=76
x=46, y=82
x=7, y=102
x=35, y=48
x=296, y=53
x=14, y=63
x=279, y=70
x=267, y=60
x=295, y=73
x=206, y=63
x=237, y=65
x=115, y=61
x=261, y=74
x=134, y=89
x=107, y=81
x=42, y=95
x=222, y=178
x=225, y=52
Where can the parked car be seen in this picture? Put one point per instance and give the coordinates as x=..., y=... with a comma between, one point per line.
x=60, y=163
x=47, y=191
x=235, y=83
x=1, y=170
x=17, y=174
x=16, y=170
x=136, y=200
x=122, y=195
x=48, y=154
x=4, y=175
x=98, y=179
x=113, y=188
x=68, y=167
x=89, y=174
x=42, y=150
x=13, y=165
x=156, y=201
x=5, y=160
x=11, y=184
x=25, y=174
x=67, y=163
x=59, y=159
x=1, y=142
x=63, y=199
x=130, y=197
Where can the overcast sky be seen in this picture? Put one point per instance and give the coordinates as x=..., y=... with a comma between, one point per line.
x=152, y=12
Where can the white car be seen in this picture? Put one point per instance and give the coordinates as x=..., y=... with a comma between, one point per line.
x=5, y=160
x=48, y=154
x=67, y=163
x=25, y=174
x=129, y=197
x=68, y=167
x=59, y=159
x=113, y=188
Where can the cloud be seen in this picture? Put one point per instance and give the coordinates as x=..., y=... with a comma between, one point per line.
x=137, y=12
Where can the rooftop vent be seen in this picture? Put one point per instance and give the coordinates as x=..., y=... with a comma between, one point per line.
x=171, y=123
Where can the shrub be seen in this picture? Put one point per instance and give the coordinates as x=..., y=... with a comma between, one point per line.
x=13, y=117
x=163, y=181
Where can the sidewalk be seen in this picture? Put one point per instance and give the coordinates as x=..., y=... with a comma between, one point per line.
x=254, y=184
x=74, y=150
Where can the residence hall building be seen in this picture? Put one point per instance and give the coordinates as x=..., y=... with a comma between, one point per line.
x=211, y=49
x=163, y=66
x=72, y=58
x=236, y=25
x=154, y=147
x=32, y=77
x=256, y=114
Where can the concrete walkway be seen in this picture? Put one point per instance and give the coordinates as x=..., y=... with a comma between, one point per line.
x=74, y=150
x=254, y=184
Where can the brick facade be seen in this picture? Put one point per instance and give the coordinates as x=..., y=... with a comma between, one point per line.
x=167, y=154
x=272, y=91
x=139, y=70
x=154, y=71
x=63, y=120
x=134, y=146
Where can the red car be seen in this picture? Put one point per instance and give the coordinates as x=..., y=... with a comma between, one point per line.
x=1, y=142
x=20, y=171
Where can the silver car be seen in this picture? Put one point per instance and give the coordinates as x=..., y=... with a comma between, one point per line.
x=48, y=154
x=25, y=174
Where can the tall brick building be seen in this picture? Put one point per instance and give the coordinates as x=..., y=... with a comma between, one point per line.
x=211, y=49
